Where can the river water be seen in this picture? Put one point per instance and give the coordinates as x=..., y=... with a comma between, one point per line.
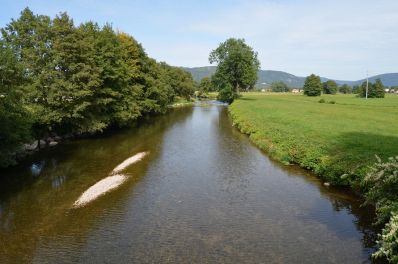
x=204, y=194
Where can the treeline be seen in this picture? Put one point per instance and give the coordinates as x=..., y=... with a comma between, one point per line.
x=58, y=78
x=314, y=87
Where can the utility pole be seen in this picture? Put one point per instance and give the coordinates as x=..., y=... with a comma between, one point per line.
x=367, y=84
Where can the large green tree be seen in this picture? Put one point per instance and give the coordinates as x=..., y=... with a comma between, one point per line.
x=205, y=85
x=237, y=68
x=61, y=79
x=15, y=121
x=330, y=87
x=312, y=85
x=345, y=89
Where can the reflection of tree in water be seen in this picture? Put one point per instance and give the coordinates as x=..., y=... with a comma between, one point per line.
x=39, y=192
x=364, y=222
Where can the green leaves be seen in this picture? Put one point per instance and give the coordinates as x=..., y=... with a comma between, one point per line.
x=237, y=67
x=57, y=78
x=330, y=87
x=312, y=85
x=375, y=90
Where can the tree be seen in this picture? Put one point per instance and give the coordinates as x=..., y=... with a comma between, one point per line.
x=312, y=85
x=375, y=90
x=330, y=87
x=56, y=78
x=279, y=87
x=14, y=117
x=205, y=85
x=237, y=67
x=345, y=89
x=356, y=89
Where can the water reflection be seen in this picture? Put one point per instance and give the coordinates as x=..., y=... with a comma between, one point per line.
x=36, y=168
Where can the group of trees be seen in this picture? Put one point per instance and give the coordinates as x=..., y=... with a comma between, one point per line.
x=279, y=87
x=375, y=90
x=314, y=87
x=58, y=78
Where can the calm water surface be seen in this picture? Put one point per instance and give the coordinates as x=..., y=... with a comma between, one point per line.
x=204, y=194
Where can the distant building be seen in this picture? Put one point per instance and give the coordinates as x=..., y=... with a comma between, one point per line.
x=296, y=90
x=263, y=90
x=387, y=90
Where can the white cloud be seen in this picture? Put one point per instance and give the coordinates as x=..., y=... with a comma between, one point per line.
x=338, y=39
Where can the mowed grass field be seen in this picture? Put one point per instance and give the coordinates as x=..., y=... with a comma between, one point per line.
x=330, y=139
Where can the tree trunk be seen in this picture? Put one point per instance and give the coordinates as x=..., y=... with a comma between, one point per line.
x=237, y=88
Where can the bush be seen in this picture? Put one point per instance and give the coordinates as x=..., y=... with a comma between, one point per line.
x=332, y=102
x=381, y=187
x=322, y=101
x=389, y=241
x=226, y=94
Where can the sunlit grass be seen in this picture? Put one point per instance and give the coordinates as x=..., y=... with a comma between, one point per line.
x=331, y=139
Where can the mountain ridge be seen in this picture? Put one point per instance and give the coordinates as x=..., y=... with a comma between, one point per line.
x=266, y=77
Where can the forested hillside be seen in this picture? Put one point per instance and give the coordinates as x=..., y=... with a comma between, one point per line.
x=58, y=78
x=267, y=77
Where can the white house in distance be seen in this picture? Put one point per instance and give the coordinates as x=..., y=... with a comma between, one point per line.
x=295, y=90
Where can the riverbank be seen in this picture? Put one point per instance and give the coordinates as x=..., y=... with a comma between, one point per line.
x=331, y=139
x=337, y=138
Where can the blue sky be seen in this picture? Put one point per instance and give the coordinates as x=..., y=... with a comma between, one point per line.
x=336, y=39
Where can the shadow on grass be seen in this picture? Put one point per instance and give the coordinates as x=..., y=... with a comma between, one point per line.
x=357, y=149
x=246, y=98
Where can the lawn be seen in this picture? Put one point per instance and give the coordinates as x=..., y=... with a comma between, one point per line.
x=330, y=139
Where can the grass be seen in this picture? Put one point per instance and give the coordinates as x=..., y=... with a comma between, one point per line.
x=330, y=139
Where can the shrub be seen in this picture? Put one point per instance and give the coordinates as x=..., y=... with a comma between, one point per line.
x=332, y=102
x=381, y=187
x=322, y=101
x=389, y=241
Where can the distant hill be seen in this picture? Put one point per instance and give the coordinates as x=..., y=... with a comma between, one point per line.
x=266, y=77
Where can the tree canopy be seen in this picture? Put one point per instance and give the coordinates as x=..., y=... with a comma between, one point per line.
x=59, y=79
x=375, y=90
x=237, y=68
x=279, y=87
x=312, y=85
x=345, y=89
x=330, y=87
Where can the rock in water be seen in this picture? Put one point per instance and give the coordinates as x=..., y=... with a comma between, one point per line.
x=129, y=161
x=100, y=188
x=52, y=143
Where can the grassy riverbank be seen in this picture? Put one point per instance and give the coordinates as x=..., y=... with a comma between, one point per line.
x=331, y=139
x=337, y=137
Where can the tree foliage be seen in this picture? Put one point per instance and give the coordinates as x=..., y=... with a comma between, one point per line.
x=279, y=87
x=59, y=78
x=312, y=85
x=330, y=87
x=375, y=90
x=237, y=67
x=345, y=89
x=205, y=85
x=381, y=185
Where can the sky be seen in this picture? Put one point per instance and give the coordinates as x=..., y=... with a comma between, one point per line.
x=339, y=39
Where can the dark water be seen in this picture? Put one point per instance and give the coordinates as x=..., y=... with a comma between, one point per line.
x=203, y=195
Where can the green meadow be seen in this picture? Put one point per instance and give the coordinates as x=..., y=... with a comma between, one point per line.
x=335, y=138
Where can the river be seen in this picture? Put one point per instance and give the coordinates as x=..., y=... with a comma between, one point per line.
x=204, y=194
